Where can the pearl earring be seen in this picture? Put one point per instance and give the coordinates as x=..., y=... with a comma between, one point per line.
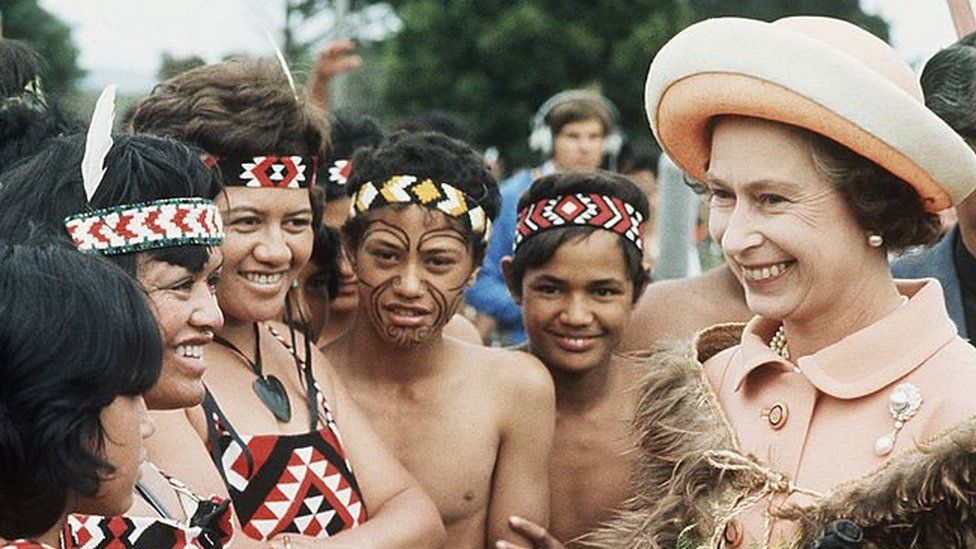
x=875, y=240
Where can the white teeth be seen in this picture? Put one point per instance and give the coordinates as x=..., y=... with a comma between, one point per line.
x=259, y=278
x=407, y=312
x=765, y=272
x=190, y=351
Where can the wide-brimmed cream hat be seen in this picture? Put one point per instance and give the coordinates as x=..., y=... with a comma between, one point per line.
x=818, y=73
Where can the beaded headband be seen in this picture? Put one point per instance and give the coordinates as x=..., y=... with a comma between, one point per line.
x=270, y=171
x=592, y=210
x=409, y=189
x=145, y=226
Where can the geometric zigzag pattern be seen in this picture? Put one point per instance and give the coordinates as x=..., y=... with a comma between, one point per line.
x=299, y=484
x=138, y=227
x=268, y=171
x=118, y=532
x=594, y=210
x=409, y=189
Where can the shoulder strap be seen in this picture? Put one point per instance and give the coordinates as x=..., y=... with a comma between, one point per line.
x=214, y=415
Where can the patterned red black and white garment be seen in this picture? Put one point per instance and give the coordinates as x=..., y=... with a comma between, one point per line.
x=25, y=544
x=287, y=484
x=209, y=527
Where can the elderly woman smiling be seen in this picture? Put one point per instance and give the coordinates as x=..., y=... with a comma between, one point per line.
x=842, y=410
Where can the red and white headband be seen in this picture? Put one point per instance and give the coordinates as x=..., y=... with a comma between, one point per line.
x=145, y=226
x=339, y=171
x=590, y=210
x=268, y=171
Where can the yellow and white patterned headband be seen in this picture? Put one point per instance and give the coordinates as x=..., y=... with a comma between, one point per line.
x=410, y=189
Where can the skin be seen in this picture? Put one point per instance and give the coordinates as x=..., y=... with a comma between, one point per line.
x=966, y=215
x=187, y=313
x=579, y=145
x=647, y=182
x=337, y=57
x=675, y=310
x=341, y=311
x=575, y=308
x=770, y=206
x=125, y=423
x=269, y=233
x=473, y=425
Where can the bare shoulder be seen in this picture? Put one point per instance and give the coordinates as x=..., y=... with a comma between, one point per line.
x=673, y=310
x=461, y=328
x=514, y=375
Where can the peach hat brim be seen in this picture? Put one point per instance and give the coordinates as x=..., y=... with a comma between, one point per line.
x=817, y=73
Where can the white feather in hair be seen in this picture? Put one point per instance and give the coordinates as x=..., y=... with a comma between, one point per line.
x=283, y=63
x=99, y=141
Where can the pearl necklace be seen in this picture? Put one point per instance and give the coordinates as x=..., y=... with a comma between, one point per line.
x=778, y=343
x=903, y=404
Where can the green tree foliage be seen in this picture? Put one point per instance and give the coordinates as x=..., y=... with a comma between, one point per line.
x=299, y=47
x=26, y=20
x=493, y=63
x=171, y=65
x=768, y=10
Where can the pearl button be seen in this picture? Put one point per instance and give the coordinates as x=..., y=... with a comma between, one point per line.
x=776, y=415
x=733, y=533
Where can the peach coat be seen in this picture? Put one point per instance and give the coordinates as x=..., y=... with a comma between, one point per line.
x=818, y=422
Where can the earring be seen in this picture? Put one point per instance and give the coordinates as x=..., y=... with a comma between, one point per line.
x=875, y=240
x=294, y=283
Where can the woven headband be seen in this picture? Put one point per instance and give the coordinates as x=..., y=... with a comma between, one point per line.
x=591, y=210
x=409, y=189
x=145, y=226
x=276, y=172
x=339, y=171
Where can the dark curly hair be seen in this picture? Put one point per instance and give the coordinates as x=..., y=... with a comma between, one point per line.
x=350, y=132
x=536, y=250
x=238, y=107
x=47, y=187
x=77, y=333
x=882, y=203
x=426, y=155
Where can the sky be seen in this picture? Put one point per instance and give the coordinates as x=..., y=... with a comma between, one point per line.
x=122, y=41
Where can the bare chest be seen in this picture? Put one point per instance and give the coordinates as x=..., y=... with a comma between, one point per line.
x=593, y=459
x=449, y=444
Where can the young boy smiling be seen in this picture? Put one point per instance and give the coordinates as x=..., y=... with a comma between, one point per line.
x=577, y=270
x=473, y=425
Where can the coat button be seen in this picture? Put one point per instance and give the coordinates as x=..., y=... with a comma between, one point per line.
x=776, y=415
x=733, y=533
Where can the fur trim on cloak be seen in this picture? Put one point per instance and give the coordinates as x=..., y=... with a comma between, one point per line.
x=925, y=497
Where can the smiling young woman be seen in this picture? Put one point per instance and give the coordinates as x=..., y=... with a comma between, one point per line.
x=273, y=401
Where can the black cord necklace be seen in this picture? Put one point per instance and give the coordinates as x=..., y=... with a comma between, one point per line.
x=269, y=389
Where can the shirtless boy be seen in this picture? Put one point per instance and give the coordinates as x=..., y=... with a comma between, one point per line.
x=473, y=425
x=577, y=271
